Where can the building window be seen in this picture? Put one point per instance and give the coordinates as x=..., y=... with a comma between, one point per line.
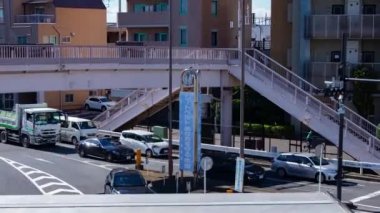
x=368, y=56
x=22, y=40
x=9, y=101
x=66, y=39
x=1, y=14
x=161, y=7
x=183, y=7
x=183, y=36
x=337, y=9
x=139, y=8
x=53, y=39
x=139, y=37
x=214, y=7
x=214, y=39
x=335, y=56
x=69, y=98
x=160, y=36
x=369, y=9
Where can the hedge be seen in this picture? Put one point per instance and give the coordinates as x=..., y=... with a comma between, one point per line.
x=273, y=131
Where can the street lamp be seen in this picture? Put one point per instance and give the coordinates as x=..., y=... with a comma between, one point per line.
x=170, y=157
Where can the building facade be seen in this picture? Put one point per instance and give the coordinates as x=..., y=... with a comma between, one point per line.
x=196, y=23
x=307, y=38
x=52, y=22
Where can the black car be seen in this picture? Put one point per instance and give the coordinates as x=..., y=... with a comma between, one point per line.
x=224, y=166
x=125, y=181
x=105, y=148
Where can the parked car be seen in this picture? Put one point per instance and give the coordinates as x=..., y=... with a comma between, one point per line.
x=149, y=143
x=224, y=166
x=305, y=165
x=125, y=181
x=105, y=148
x=99, y=103
x=77, y=129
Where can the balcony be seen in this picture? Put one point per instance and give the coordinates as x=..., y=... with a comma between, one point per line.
x=156, y=43
x=333, y=26
x=144, y=19
x=322, y=71
x=35, y=19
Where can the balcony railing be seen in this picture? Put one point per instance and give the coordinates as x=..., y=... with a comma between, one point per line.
x=322, y=71
x=333, y=26
x=35, y=18
x=144, y=19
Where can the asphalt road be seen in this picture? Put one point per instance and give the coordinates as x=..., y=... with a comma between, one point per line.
x=59, y=170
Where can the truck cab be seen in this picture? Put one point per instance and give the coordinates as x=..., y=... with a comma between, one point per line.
x=76, y=129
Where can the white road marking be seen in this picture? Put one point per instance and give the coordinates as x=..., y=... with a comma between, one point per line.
x=43, y=160
x=56, y=181
x=368, y=206
x=365, y=197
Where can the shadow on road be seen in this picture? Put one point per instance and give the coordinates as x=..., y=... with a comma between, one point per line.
x=56, y=149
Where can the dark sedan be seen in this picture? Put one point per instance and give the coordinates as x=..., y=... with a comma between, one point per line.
x=224, y=166
x=105, y=148
x=125, y=181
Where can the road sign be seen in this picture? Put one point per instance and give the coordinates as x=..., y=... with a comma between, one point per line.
x=206, y=163
x=239, y=174
x=186, y=125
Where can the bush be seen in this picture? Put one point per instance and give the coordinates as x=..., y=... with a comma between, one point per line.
x=275, y=131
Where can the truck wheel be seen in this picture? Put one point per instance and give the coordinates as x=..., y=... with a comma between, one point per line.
x=3, y=137
x=25, y=141
x=74, y=141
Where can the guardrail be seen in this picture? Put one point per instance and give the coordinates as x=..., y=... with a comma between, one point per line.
x=263, y=154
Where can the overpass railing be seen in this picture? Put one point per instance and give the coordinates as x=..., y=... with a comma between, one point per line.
x=48, y=54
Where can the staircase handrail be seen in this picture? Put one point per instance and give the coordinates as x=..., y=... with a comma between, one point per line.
x=131, y=98
x=312, y=102
x=350, y=114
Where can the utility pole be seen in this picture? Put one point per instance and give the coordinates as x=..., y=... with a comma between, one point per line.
x=242, y=79
x=342, y=75
x=170, y=157
x=118, y=27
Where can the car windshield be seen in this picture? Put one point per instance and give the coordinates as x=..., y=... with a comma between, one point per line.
x=104, y=100
x=153, y=138
x=106, y=142
x=87, y=125
x=128, y=180
x=316, y=161
x=43, y=118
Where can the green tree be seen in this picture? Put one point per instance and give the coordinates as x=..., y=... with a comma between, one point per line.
x=362, y=94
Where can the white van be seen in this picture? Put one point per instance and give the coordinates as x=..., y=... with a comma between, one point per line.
x=77, y=129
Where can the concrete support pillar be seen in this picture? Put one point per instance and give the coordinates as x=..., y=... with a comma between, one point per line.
x=40, y=97
x=226, y=116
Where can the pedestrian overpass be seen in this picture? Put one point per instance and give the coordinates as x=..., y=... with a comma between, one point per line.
x=43, y=68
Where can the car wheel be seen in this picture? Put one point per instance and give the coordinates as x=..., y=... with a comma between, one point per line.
x=86, y=107
x=74, y=141
x=148, y=153
x=316, y=178
x=107, y=189
x=25, y=141
x=103, y=108
x=82, y=153
x=281, y=172
x=109, y=158
x=3, y=137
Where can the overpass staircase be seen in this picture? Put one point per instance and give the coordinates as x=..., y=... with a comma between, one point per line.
x=300, y=99
x=135, y=107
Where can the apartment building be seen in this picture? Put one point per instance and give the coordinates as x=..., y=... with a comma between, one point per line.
x=196, y=23
x=53, y=22
x=307, y=38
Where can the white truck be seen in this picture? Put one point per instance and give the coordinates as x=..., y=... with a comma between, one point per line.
x=77, y=129
x=31, y=124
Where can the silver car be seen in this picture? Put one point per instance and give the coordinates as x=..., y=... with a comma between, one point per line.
x=303, y=165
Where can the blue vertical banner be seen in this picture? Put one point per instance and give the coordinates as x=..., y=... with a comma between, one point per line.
x=186, y=130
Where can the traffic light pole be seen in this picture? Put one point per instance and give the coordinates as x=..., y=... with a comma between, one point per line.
x=341, y=118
